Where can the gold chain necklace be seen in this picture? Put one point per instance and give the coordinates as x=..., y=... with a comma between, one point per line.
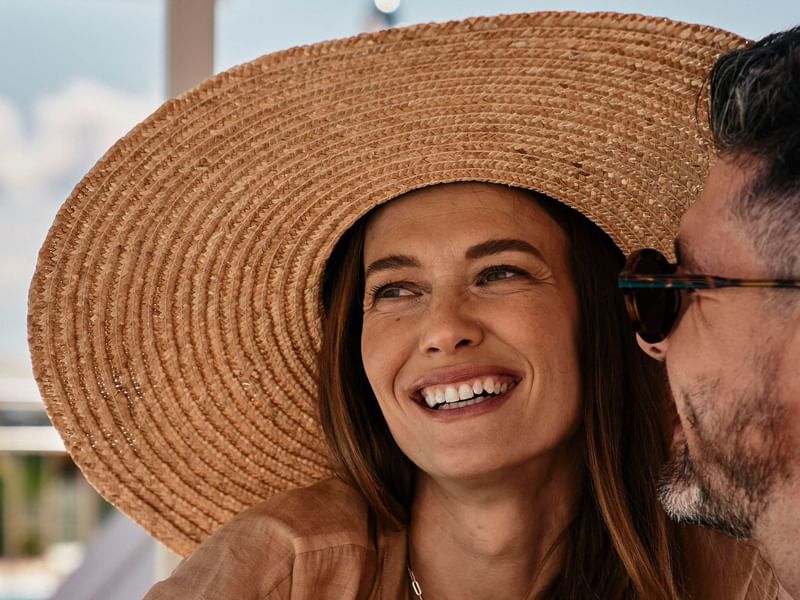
x=414, y=583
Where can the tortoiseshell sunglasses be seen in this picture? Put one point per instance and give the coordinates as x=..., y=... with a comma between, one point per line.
x=653, y=292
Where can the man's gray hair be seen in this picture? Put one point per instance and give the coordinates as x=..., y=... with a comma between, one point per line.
x=755, y=120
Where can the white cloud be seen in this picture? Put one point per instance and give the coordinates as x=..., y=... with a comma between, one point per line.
x=10, y=124
x=40, y=162
x=70, y=130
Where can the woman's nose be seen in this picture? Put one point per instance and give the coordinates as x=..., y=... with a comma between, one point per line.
x=449, y=326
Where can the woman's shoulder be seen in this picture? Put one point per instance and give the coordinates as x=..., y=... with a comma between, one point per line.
x=330, y=511
x=296, y=543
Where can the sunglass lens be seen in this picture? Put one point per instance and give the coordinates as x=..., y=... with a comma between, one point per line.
x=653, y=309
x=656, y=310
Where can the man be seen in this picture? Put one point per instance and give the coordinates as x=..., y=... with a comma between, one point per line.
x=733, y=355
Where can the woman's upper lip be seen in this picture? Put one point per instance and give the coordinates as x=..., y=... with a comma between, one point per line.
x=459, y=373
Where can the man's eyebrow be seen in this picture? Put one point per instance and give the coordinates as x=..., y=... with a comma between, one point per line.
x=503, y=245
x=395, y=261
x=684, y=256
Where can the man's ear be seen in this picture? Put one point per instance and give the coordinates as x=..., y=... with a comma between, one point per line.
x=656, y=351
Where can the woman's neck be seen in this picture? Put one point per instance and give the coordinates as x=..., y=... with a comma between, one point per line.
x=494, y=538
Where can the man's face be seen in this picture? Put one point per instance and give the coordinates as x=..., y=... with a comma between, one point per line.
x=732, y=366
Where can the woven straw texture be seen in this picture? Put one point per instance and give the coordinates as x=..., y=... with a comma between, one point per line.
x=174, y=315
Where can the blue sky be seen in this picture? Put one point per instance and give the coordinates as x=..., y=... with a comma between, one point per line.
x=47, y=43
x=76, y=74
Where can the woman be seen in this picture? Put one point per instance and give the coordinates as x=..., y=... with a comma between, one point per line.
x=528, y=474
x=288, y=240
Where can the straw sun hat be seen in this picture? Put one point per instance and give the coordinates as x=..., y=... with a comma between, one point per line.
x=175, y=310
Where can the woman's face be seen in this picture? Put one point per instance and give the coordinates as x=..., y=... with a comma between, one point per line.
x=470, y=329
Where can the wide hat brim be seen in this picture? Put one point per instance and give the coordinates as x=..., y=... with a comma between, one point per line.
x=174, y=315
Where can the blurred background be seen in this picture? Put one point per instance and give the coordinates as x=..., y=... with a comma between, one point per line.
x=74, y=76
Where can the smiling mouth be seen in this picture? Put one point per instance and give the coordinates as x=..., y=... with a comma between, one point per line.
x=466, y=393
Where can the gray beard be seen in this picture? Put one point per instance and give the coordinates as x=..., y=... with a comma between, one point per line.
x=728, y=485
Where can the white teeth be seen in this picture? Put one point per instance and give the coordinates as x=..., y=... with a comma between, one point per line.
x=464, y=394
x=462, y=404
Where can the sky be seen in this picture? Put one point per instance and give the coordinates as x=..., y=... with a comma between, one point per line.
x=77, y=74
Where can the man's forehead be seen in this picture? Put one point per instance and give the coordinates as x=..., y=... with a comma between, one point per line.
x=708, y=234
x=695, y=246
x=724, y=183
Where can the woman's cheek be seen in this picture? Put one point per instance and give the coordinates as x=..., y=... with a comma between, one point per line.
x=383, y=339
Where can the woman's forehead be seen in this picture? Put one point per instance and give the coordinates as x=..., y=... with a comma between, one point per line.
x=473, y=208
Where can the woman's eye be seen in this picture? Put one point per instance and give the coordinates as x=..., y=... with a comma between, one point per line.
x=390, y=290
x=394, y=292
x=499, y=274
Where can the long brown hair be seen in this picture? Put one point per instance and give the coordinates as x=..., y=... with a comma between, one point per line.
x=620, y=544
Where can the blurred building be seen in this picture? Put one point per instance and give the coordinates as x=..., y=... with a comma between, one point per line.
x=48, y=513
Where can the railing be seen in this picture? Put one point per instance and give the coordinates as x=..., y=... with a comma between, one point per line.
x=24, y=426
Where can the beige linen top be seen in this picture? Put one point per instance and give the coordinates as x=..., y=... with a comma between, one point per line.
x=323, y=543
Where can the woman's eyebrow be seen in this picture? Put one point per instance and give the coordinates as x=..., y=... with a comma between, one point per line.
x=487, y=248
x=490, y=247
x=395, y=261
